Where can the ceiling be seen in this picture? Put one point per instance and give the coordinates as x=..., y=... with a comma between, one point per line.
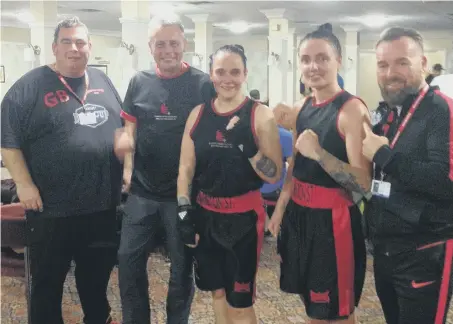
x=103, y=15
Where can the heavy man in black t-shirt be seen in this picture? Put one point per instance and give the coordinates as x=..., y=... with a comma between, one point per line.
x=156, y=107
x=58, y=124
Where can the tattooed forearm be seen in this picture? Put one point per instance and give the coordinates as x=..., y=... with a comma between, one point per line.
x=266, y=166
x=350, y=178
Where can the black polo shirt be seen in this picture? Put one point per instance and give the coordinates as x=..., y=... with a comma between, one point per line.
x=68, y=147
x=160, y=107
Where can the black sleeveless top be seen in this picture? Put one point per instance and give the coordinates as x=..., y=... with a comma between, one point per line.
x=222, y=170
x=323, y=120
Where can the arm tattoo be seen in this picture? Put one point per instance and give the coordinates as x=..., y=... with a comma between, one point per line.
x=338, y=170
x=266, y=166
x=183, y=201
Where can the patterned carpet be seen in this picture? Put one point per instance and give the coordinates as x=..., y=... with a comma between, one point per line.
x=273, y=306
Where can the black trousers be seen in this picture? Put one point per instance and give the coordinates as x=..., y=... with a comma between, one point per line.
x=415, y=286
x=91, y=241
x=139, y=232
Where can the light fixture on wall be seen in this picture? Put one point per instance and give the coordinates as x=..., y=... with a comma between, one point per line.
x=197, y=59
x=130, y=48
x=350, y=64
x=273, y=59
x=36, y=49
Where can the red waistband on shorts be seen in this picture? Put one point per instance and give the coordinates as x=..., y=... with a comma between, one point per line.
x=230, y=205
x=313, y=196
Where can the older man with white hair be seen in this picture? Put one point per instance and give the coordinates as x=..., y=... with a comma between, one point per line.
x=155, y=109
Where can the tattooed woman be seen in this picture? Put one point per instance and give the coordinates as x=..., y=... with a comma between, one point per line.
x=232, y=145
x=321, y=244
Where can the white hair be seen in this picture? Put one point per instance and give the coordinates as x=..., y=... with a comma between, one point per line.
x=163, y=21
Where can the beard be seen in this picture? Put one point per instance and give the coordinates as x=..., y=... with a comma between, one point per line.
x=396, y=98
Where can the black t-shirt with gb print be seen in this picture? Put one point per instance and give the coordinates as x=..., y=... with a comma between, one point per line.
x=67, y=145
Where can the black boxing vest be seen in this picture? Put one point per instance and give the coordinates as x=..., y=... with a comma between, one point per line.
x=222, y=170
x=323, y=120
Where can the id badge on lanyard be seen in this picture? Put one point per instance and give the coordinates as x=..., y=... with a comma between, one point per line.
x=68, y=87
x=380, y=187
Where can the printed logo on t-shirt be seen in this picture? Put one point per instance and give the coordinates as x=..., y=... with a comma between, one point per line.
x=164, y=113
x=220, y=141
x=91, y=115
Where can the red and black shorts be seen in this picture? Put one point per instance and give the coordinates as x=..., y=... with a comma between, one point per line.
x=322, y=248
x=231, y=235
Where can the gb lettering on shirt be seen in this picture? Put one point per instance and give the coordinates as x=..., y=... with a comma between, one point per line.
x=91, y=115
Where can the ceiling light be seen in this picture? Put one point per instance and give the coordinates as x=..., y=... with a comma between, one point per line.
x=25, y=17
x=162, y=9
x=239, y=27
x=374, y=21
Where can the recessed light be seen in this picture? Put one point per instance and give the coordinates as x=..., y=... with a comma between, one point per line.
x=239, y=27
x=25, y=17
x=375, y=21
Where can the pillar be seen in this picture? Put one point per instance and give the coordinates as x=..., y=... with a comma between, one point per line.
x=351, y=59
x=134, y=53
x=292, y=66
x=42, y=30
x=277, y=55
x=203, y=40
x=135, y=17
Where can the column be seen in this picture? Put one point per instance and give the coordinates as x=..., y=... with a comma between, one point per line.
x=42, y=29
x=299, y=37
x=203, y=41
x=134, y=53
x=292, y=74
x=277, y=55
x=351, y=59
x=135, y=17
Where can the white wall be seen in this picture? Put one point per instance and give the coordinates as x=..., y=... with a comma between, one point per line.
x=256, y=51
x=437, y=46
x=14, y=41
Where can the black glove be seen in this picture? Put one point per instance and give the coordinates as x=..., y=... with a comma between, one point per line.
x=241, y=135
x=186, y=226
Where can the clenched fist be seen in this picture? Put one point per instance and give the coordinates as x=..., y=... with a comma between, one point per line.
x=308, y=145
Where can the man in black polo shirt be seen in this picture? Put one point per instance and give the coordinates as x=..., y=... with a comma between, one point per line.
x=410, y=215
x=156, y=107
x=58, y=124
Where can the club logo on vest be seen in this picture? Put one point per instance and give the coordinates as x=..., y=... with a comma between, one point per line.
x=92, y=116
x=164, y=113
x=220, y=141
x=219, y=136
